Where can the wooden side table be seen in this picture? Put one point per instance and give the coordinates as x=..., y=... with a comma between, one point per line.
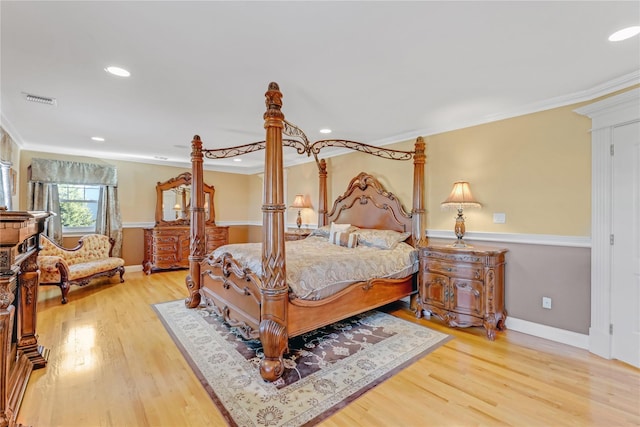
x=296, y=234
x=463, y=286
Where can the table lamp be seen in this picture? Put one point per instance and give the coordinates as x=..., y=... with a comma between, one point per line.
x=299, y=203
x=459, y=198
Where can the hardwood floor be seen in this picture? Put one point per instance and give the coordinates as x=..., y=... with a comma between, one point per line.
x=113, y=364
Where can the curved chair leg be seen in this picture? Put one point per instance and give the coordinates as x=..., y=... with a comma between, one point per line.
x=64, y=288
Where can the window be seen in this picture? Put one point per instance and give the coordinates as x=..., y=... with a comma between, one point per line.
x=78, y=207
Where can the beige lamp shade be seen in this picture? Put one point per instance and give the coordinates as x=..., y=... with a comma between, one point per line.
x=461, y=196
x=299, y=202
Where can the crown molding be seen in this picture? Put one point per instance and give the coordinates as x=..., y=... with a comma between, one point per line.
x=12, y=131
x=616, y=110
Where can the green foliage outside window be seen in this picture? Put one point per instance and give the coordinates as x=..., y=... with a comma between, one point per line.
x=78, y=205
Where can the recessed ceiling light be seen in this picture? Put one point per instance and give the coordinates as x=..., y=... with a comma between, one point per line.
x=237, y=159
x=117, y=71
x=325, y=130
x=98, y=138
x=625, y=33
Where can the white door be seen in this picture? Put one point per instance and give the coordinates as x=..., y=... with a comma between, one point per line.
x=625, y=268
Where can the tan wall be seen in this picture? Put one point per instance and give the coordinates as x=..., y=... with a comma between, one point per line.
x=254, y=192
x=536, y=169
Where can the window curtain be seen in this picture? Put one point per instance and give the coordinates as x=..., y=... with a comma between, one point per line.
x=6, y=180
x=44, y=197
x=5, y=185
x=49, y=173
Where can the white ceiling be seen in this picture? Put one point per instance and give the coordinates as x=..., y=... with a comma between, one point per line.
x=375, y=72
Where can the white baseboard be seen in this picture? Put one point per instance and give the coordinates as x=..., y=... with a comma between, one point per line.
x=132, y=268
x=548, y=332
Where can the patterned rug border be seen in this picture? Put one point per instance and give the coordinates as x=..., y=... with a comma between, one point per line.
x=321, y=416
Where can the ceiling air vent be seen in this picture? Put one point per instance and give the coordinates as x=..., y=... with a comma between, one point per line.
x=40, y=99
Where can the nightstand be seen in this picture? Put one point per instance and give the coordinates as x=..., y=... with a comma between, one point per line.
x=296, y=234
x=463, y=286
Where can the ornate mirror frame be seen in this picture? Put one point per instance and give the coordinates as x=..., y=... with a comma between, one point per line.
x=181, y=184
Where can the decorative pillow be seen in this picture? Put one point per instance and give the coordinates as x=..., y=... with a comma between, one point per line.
x=383, y=239
x=345, y=239
x=335, y=228
x=322, y=231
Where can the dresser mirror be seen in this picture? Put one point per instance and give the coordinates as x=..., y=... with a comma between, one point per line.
x=173, y=201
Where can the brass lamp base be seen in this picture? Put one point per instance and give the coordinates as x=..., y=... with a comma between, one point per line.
x=299, y=220
x=460, y=244
x=459, y=230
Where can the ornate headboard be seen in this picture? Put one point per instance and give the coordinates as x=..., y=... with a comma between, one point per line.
x=367, y=204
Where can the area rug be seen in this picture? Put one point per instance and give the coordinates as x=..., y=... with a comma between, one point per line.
x=324, y=370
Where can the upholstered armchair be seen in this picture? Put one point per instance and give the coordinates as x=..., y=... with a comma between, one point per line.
x=78, y=266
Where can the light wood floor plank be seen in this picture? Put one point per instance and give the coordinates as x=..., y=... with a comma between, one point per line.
x=112, y=363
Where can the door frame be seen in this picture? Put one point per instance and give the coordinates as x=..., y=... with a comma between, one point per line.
x=605, y=115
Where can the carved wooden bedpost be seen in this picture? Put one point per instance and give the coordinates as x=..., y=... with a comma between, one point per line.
x=273, y=326
x=418, y=213
x=197, y=247
x=322, y=192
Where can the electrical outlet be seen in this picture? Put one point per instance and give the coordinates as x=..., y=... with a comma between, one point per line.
x=499, y=218
x=546, y=302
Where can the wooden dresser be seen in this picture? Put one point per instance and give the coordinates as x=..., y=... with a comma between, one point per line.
x=463, y=286
x=19, y=279
x=167, y=247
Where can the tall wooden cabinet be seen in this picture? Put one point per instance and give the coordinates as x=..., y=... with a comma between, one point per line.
x=19, y=276
x=167, y=244
x=463, y=286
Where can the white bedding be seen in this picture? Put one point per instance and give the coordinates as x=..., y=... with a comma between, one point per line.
x=317, y=269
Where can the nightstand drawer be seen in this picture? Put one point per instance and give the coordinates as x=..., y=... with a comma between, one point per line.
x=465, y=271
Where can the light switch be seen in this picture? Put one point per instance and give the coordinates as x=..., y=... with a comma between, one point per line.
x=499, y=218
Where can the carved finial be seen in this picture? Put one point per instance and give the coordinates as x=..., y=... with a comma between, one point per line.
x=273, y=101
x=419, y=156
x=196, y=148
x=322, y=166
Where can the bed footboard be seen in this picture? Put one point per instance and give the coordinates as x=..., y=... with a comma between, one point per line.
x=231, y=292
x=235, y=294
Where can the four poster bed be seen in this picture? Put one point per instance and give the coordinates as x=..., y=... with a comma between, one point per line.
x=262, y=300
